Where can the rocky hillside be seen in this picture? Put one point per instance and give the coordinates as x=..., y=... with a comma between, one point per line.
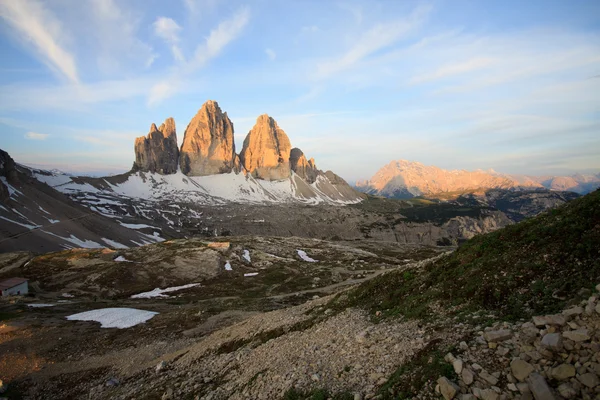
x=509, y=315
x=406, y=179
x=35, y=217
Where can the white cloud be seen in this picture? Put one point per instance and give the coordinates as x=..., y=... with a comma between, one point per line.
x=220, y=37
x=217, y=40
x=168, y=30
x=36, y=136
x=379, y=37
x=38, y=28
x=271, y=54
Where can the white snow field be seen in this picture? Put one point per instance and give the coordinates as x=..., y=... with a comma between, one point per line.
x=114, y=317
x=158, y=292
x=305, y=257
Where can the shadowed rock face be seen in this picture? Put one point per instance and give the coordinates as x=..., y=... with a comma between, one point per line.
x=158, y=151
x=7, y=171
x=208, y=147
x=305, y=169
x=266, y=151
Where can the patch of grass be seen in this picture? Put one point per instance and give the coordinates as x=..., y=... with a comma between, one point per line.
x=427, y=365
x=5, y=316
x=525, y=269
x=315, y=394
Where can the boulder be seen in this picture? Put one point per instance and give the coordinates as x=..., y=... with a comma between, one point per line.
x=578, y=335
x=521, y=369
x=539, y=387
x=563, y=372
x=266, y=151
x=589, y=379
x=552, y=341
x=447, y=388
x=498, y=336
x=208, y=146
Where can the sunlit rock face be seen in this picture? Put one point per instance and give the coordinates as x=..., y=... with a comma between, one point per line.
x=266, y=151
x=304, y=168
x=208, y=147
x=158, y=151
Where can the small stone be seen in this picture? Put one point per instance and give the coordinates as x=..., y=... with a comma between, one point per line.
x=492, y=345
x=488, y=378
x=578, y=335
x=447, y=388
x=466, y=396
x=521, y=369
x=573, y=311
x=598, y=308
x=358, y=396
x=112, y=382
x=523, y=387
x=457, y=364
x=539, y=388
x=315, y=377
x=598, y=287
x=556, y=319
x=502, y=351
x=512, y=387
x=563, y=372
x=463, y=346
x=589, y=379
x=449, y=358
x=362, y=337
x=498, y=336
x=161, y=365
x=467, y=376
x=552, y=341
x=489, y=394
x=476, y=366
x=567, y=391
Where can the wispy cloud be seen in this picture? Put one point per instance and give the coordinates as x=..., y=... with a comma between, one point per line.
x=227, y=31
x=168, y=30
x=379, y=37
x=36, y=136
x=271, y=54
x=40, y=30
x=453, y=69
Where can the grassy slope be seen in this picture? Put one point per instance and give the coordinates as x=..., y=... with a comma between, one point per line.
x=521, y=270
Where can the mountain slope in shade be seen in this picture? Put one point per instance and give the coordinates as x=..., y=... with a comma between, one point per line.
x=406, y=179
x=35, y=217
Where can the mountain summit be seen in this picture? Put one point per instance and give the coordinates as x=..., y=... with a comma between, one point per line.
x=406, y=179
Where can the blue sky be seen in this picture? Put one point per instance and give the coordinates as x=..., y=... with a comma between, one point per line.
x=508, y=85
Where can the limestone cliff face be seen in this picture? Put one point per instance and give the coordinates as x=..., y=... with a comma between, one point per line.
x=304, y=168
x=7, y=172
x=158, y=151
x=208, y=147
x=266, y=151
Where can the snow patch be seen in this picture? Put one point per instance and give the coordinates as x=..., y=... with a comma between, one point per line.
x=86, y=244
x=19, y=223
x=114, y=244
x=137, y=226
x=40, y=305
x=121, y=259
x=158, y=292
x=305, y=257
x=68, y=295
x=228, y=266
x=251, y=274
x=114, y=317
x=246, y=256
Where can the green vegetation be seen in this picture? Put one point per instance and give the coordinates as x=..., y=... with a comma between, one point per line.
x=524, y=269
x=316, y=394
x=427, y=365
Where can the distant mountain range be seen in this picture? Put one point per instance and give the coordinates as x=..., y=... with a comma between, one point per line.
x=407, y=179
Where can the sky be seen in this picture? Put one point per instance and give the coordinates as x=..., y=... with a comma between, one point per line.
x=462, y=84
